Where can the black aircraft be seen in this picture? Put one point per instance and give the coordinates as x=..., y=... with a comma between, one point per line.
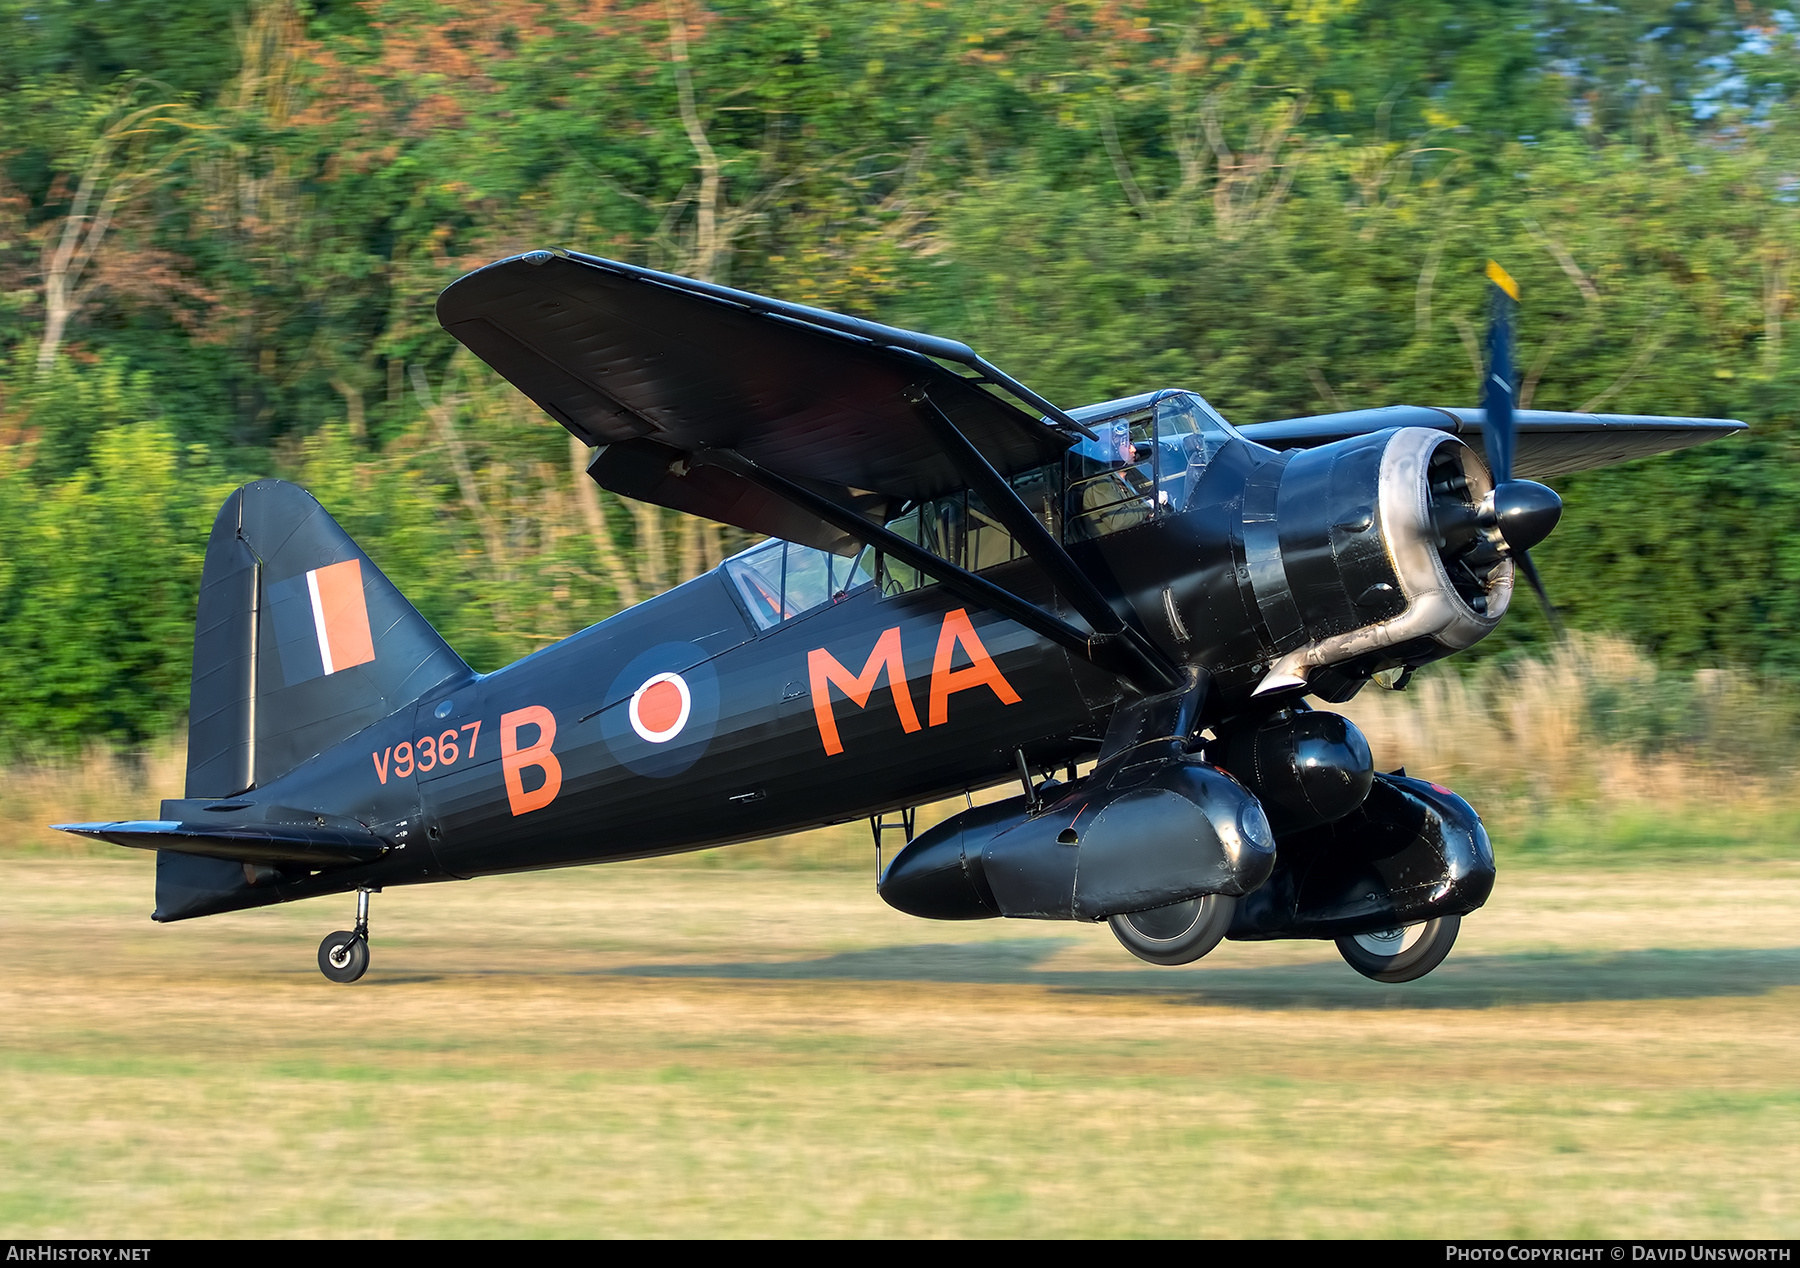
x=963, y=585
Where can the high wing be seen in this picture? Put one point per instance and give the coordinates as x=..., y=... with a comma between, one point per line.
x=785, y=419
x=817, y=427
x=659, y=369
x=1549, y=444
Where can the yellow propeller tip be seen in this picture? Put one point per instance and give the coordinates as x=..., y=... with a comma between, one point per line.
x=1501, y=278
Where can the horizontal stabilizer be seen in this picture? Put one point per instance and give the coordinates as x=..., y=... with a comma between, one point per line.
x=268, y=843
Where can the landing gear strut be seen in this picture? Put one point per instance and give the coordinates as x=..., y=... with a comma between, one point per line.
x=344, y=956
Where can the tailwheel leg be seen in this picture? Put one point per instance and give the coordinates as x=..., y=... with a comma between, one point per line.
x=344, y=955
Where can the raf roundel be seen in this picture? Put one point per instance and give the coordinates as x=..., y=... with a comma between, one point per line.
x=659, y=709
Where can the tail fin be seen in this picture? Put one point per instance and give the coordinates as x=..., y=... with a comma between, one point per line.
x=299, y=642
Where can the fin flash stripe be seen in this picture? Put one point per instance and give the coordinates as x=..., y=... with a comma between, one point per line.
x=340, y=616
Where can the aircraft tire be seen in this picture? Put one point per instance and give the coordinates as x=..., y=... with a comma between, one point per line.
x=343, y=956
x=1177, y=934
x=1416, y=956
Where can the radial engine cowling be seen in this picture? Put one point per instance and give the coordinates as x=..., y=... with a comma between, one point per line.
x=1371, y=552
x=1153, y=834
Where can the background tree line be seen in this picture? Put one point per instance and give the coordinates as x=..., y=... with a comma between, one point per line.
x=223, y=225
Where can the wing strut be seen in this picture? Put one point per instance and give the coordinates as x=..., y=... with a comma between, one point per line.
x=1105, y=650
x=1149, y=665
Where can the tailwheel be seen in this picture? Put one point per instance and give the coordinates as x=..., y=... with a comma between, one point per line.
x=1401, y=955
x=344, y=956
x=1177, y=934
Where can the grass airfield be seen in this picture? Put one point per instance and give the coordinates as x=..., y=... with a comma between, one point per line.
x=649, y=1049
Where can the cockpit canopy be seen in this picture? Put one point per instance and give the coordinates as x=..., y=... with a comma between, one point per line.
x=1146, y=460
x=1148, y=457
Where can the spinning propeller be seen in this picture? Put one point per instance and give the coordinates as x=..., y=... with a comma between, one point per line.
x=1518, y=514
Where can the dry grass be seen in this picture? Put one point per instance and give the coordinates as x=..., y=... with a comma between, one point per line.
x=100, y=785
x=746, y=1042
x=1539, y=728
x=1596, y=753
x=652, y=1051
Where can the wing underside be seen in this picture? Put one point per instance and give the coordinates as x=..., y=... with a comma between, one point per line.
x=786, y=420
x=659, y=370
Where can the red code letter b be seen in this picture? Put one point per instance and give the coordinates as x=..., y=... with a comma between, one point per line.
x=515, y=761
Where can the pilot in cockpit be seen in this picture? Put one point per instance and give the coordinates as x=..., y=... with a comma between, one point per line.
x=1123, y=494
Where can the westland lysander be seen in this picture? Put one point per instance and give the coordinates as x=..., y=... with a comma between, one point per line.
x=963, y=585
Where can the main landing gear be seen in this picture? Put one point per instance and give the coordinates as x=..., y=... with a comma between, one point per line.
x=1177, y=934
x=344, y=956
x=1401, y=955
x=1183, y=932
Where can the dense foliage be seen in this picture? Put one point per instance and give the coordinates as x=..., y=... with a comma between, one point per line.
x=223, y=224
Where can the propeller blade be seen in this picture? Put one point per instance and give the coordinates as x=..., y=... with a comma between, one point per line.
x=1524, y=511
x=1522, y=561
x=1500, y=388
